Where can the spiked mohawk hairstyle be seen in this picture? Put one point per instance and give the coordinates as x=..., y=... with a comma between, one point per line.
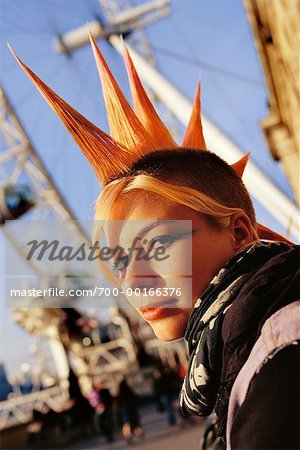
x=134, y=133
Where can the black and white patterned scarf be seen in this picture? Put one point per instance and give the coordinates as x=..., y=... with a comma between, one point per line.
x=203, y=333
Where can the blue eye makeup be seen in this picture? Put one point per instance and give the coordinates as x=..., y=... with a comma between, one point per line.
x=163, y=241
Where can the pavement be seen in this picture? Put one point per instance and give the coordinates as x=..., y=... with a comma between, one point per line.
x=158, y=435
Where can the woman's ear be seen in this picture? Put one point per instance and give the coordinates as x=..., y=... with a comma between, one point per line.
x=241, y=229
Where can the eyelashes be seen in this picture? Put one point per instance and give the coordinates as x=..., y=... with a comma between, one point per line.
x=165, y=241
x=168, y=239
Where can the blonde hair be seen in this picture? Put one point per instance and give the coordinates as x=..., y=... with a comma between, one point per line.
x=180, y=194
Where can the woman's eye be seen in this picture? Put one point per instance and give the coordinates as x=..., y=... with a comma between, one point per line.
x=162, y=241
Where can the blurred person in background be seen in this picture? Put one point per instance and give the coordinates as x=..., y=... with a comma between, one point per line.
x=102, y=401
x=127, y=402
x=166, y=388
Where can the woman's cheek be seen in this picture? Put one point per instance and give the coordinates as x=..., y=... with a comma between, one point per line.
x=177, y=260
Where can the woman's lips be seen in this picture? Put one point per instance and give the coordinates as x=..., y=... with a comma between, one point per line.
x=154, y=311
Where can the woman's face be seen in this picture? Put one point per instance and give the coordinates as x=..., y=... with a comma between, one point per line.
x=184, y=253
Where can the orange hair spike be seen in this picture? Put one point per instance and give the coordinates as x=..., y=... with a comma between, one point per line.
x=193, y=137
x=124, y=125
x=144, y=109
x=266, y=233
x=240, y=165
x=106, y=156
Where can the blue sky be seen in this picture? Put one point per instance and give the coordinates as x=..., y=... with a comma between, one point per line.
x=216, y=42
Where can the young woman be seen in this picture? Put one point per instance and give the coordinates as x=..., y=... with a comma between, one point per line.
x=202, y=270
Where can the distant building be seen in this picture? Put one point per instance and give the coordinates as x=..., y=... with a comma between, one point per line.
x=275, y=25
x=5, y=386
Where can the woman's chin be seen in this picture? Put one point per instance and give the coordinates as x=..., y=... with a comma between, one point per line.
x=169, y=328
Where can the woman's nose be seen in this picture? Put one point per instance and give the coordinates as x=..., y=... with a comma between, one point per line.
x=140, y=282
x=140, y=274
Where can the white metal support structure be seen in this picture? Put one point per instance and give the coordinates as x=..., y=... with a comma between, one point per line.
x=19, y=161
x=18, y=410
